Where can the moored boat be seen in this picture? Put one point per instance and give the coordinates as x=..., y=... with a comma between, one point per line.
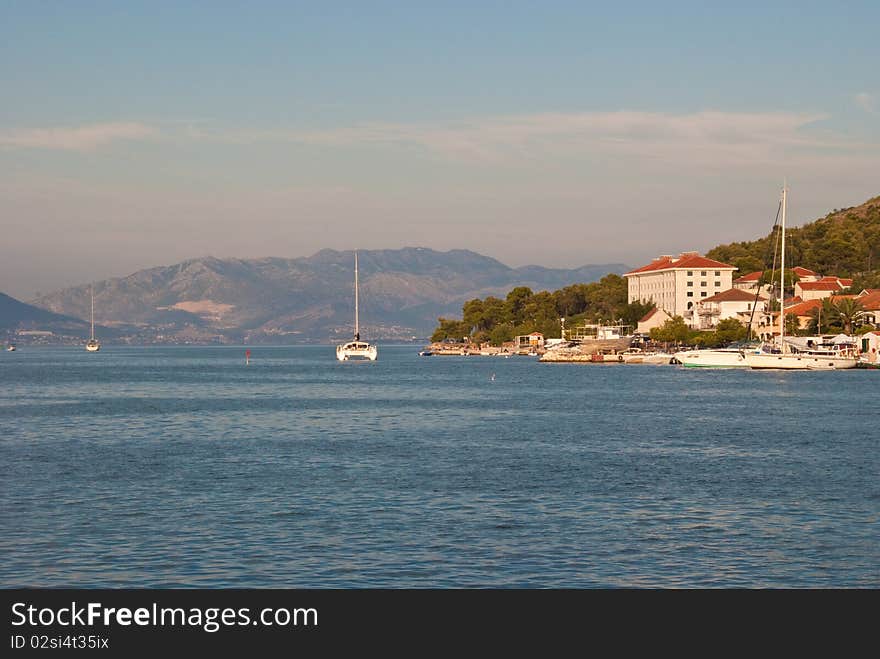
x=356, y=349
x=781, y=354
x=712, y=358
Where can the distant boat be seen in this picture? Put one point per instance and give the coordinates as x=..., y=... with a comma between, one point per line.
x=93, y=345
x=356, y=349
x=10, y=348
x=426, y=353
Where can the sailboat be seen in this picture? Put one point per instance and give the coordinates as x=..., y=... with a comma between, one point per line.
x=93, y=345
x=780, y=354
x=356, y=349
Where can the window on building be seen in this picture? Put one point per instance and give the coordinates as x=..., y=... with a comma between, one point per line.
x=703, y=294
x=718, y=284
x=690, y=273
x=690, y=283
x=690, y=293
x=703, y=273
x=718, y=273
x=702, y=283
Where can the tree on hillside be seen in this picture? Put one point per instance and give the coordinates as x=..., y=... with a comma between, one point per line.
x=844, y=243
x=516, y=301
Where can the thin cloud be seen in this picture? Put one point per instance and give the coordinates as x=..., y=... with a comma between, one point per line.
x=866, y=101
x=78, y=138
x=496, y=139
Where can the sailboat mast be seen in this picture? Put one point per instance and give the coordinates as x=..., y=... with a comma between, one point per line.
x=92, y=293
x=782, y=277
x=357, y=331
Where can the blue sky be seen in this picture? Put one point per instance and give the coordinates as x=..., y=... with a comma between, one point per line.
x=140, y=134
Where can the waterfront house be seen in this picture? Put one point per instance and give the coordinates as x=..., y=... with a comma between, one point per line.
x=824, y=287
x=804, y=274
x=533, y=341
x=732, y=303
x=804, y=310
x=748, y=282
x=654, y=318
x=870, y=301
x=869, y=344
x=816, y=290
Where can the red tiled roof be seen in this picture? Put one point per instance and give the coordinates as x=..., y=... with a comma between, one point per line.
x=687, y=260
x=803, y=308
x=820, y=285
x=803, y=272
x=732, y=295
x=871, y=301
x=649, y=315
x=846, y=283
x=752, y=276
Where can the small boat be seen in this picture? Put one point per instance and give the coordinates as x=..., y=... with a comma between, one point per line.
x=356, y=349
x=93, y=345
x=10, y=348
x=425, y=353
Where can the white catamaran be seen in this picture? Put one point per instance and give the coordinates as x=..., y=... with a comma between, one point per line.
x=782, y=354
x=356, y=349
x=93, y=345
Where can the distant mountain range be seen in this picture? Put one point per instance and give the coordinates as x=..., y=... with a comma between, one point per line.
x=310, y=299
x=18, y=315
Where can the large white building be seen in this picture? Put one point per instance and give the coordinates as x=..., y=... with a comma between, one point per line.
x=676, y=284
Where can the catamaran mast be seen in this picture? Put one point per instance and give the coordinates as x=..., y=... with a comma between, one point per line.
x=92, y=293
x=357, y=332
x=782, y=278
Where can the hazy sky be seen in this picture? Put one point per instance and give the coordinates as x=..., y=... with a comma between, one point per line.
x=556, y=133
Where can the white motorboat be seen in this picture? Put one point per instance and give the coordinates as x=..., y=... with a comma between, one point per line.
x=356, y=349
x=636, y=355
x=712, y=358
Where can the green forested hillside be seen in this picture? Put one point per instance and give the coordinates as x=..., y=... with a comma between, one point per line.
x=845, y=243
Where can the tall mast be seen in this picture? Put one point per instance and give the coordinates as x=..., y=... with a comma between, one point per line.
x=782, y=278
x=357, y=332
x=92, y=293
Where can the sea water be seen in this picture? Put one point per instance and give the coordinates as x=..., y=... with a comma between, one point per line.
x=187, y=467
